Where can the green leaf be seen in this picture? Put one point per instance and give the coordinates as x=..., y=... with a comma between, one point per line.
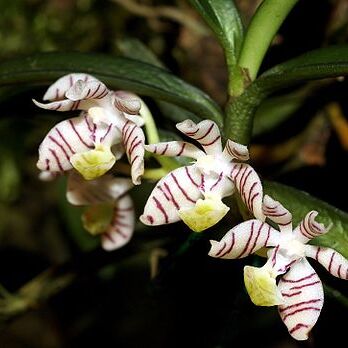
x=223, y=18
x=299, y=203
x=116, y=72
x=318, y=64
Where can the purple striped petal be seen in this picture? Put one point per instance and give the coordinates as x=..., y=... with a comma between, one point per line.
x=333, y=261
x=106, y=189
x=121, y=227
x=277, y=213
x=58, y=89
x=309, y=228
x=133, y=141
x=67, y=138
x=175, y=148
x=303, y=293
x=179, y=189
x=244, y=239
x=249, y=187
x=127, y=102
x=236, y=151
x=83, y=90
x=207, y=133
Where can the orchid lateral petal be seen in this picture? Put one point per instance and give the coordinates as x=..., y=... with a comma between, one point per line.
x=83, y=90
x=127, y=102
x=61, y=105
x=244, y=239
x=309, y=228
x=207, y=133
x=58, y=89
x=175, y=148
x=138, y=120
x=179, y=189
x=104, y=189
x=133, y=140
x=121, y=227
x=304, y=297
x=277, y=213
x=249, y=187
x=333, y=261
x=236, y=151
x=63, y=141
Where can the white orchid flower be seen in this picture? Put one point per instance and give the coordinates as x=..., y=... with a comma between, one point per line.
x=91, y=143
x=110, y=211
x=193, y=193
x=299, y=293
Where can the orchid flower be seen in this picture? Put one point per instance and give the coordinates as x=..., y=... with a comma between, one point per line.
x=299, y=293
x=110, y=211
x=194, y=193
x=108, y=126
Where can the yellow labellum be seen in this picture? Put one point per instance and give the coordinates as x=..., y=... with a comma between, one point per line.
x=206, y=213
x=94, y=163
x=97, y=218
x=262, y=287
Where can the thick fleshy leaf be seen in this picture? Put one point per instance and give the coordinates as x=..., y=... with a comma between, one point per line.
x=121, y=228
x=133, y=140
x=179, y=189
x=277, y=213
x=106, y=189
x=207, y=133
x=116, y=73
x=309, y=228
x=336, y=238
x=333, y=261
x=304, y=297
x=175, y=148
x=63, y=141
x=249, y=187
x=223, y=18
x=244, y=239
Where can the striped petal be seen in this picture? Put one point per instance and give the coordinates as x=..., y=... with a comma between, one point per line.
x=207, y=133
x=133, y=140
x=309, y=228
x=72, y=92
x=333, y=261
x=277, y=213
x=104, y=189
x=249, y=187
x=67, y=138
x=175, y=148
x=303, y=293
x=127, y=102
x=235, y=151
x=244, y=239
x=121, y=228
x=179, y=189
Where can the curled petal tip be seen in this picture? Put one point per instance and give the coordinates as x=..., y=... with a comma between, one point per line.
x=214, y=248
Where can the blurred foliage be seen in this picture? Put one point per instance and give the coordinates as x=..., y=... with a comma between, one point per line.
x=59, y=288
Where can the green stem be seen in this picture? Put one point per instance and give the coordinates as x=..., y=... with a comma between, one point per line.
x=264, y=25
x=155, y=174
x=150, y=125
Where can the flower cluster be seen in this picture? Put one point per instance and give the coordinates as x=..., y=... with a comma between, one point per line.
x=86, y=147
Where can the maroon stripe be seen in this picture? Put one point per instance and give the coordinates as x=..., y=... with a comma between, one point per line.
x=252, y=201
x=128, y=136
x=331, y=259
x=164, y=150
x=171, y=196
x=248, y=242
x=47, y=164
x=298, y=327
x=161, y=209
x=256, y=239
x=134, y=146
x=124, y=126
x=221, y=249
x=57, y=94
x=65, y=141
x=233, y=239
x=250, y=195
x=304, y=285
x=60, y=146
x=291, y=294
x=274, y=256
x=212, y=142
x=298, y=280
x=268, y=234
x=133, y=141
x=244, y=182
x=106, y=133
x=150, y=219
x=208, y=131
x=95, y=92
x=181, y=189
x=339, y=271
x=163, y=192
x=71, y=81
x=182, y=149
x=57, y=160
x=283, y=309
x=134, y=159
x=217, y=181
x=79, y=136
x=190, y=177
x=300, y=310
